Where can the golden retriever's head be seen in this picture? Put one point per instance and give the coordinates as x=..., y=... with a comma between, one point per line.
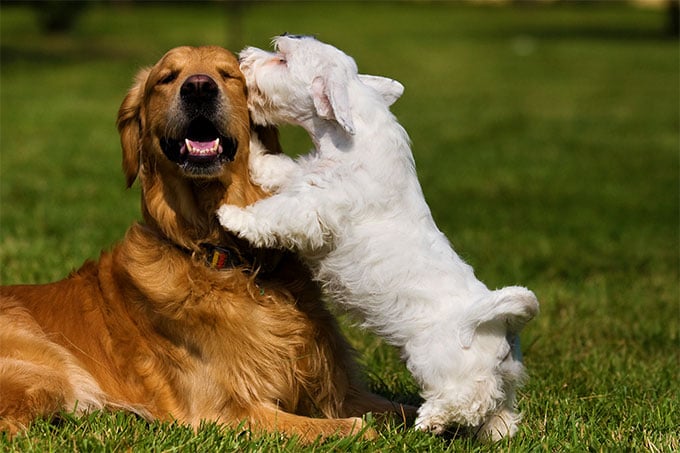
x=191, y=106
x=185, y=132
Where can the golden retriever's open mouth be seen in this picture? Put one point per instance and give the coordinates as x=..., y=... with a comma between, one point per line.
x=202, y=150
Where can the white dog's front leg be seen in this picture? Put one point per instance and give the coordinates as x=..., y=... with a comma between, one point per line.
x=242, y=222
x=270, y=171
x=278, y=221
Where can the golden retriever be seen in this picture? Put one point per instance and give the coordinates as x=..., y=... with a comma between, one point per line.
x=181, y=320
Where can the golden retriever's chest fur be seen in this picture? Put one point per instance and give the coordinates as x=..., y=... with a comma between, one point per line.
x=228, y=341
x=176, y=339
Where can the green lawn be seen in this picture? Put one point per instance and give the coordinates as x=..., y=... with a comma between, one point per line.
x=547, y=143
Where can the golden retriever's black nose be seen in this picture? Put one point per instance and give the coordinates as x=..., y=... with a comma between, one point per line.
x=199, y=87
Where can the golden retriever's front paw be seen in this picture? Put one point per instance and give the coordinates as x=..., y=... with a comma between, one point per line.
x=355, y=425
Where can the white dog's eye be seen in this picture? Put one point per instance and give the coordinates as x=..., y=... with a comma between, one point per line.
x=278, y=59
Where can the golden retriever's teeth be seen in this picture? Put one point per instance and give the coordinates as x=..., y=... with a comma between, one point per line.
x=192, y=147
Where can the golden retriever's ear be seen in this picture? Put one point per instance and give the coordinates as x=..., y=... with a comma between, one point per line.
x=129, y=127
x=269, y=137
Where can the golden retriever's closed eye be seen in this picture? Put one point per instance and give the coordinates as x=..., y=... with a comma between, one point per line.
x=181, y=320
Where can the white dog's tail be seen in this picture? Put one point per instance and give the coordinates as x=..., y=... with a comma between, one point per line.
x=512, y=305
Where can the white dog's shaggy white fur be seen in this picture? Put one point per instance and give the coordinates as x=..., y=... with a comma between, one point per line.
x=355, y=211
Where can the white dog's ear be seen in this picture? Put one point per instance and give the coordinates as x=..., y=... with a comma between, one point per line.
x=331, y=101
x=389, y=89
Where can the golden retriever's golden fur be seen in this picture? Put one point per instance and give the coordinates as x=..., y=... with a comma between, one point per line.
x=152, y=328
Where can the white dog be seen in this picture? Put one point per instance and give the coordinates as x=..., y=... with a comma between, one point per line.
x=355, y=211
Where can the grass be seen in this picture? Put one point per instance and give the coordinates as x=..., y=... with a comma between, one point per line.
x=547, y=144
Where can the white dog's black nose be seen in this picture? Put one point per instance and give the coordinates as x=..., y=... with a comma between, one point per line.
x=199, y=87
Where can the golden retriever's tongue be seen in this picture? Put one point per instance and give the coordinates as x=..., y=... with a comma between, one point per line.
x=202, y=150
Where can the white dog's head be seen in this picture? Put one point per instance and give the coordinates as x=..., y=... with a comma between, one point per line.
x=306, y=78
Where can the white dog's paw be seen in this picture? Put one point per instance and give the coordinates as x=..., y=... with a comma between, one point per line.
x=232, y=218
x=244, y=224
x=272, y=171
x=430, y=427
x=499, y=425
x=430, y=419
x=240, y=222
